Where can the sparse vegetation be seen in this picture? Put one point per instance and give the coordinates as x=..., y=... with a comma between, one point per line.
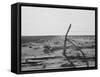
x=47, y=49
x=46, y=55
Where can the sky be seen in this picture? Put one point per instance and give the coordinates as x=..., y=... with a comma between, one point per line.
x=38, y=21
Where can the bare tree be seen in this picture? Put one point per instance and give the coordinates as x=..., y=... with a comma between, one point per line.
x=64, y=49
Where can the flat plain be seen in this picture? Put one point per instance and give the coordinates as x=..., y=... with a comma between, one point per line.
x=46, y=52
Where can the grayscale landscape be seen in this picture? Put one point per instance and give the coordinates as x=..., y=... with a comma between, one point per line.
x=57, y=38
x=46, y=52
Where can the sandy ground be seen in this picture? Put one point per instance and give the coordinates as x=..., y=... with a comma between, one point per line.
x=34, y=57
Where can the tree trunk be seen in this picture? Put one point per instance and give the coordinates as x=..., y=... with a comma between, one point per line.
x=64, y=49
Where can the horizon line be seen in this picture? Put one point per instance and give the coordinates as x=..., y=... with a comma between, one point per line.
x=57, y=35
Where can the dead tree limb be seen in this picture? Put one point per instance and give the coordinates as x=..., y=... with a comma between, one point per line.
x=79, y=50
x=64, y=49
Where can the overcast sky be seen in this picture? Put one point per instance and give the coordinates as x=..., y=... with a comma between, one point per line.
x=52, y=21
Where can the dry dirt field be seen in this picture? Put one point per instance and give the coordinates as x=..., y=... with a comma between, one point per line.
x=45, y=52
